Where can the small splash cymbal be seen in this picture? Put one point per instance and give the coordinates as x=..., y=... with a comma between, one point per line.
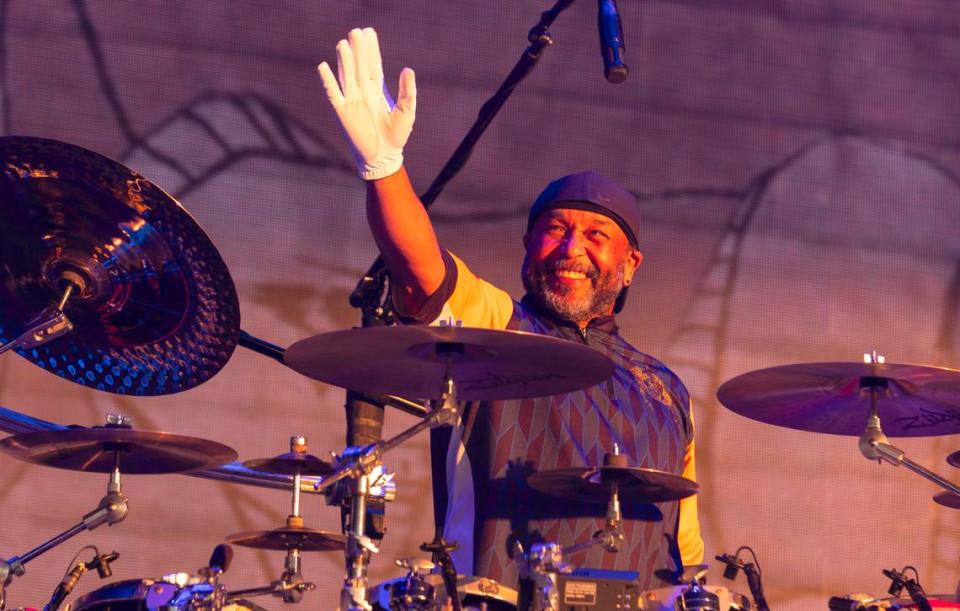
x=947, y=499
x=291, y=463
x=485, y=364
x=99, y=449
x=594, y=484
x=304, y=539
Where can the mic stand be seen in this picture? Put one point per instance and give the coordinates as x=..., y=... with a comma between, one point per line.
x=111, y=510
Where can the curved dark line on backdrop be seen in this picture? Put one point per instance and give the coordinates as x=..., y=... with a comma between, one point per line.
x=738, y=224
x=110, y=91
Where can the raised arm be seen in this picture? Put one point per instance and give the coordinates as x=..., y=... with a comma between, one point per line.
x=377, y=129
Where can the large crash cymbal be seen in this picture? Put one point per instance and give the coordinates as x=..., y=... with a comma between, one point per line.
x=594, y=484
x=485, y=364
x=97, y=450
x=156, y=311
x=913, y=400
x=287, y=537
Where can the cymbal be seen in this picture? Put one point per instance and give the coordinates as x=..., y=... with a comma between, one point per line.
x=96, y=449
x=155, y=311
x=290, y=464
x=485, y=364
x=304, y=539
x=947, y=499
x=954, y=459
x=593, y=484
x=914, y=400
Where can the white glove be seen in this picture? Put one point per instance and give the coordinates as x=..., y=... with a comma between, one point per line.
x=376, y=127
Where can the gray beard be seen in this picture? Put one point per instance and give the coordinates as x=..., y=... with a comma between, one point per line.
x=598, y=302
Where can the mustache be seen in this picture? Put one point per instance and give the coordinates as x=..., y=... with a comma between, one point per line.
x=572, y=266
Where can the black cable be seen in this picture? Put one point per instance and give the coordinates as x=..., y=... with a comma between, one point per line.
x=756, y=561
x=73, y=561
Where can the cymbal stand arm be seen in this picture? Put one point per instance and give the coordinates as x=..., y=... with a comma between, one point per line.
x=49, y=324
x=111, y=509
x=874, y=445
x=611, y=536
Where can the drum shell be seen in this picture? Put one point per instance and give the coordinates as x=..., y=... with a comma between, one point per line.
x=666, y=599
x=473, y=591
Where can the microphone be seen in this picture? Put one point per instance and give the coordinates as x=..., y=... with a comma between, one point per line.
x=611, y=41
x=733, y=565
x=100, y=562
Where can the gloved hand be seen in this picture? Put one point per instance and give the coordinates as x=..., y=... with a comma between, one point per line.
x=376, y=127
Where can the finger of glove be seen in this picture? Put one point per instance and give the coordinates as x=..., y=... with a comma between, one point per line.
x=373, y=57
x=361, y=53
x=407, y=93
x=347, y=70
x=330, y=84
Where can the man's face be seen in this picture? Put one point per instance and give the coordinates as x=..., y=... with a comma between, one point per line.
x=577, y=263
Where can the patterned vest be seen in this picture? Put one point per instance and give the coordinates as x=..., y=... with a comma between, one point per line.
x=643, y=408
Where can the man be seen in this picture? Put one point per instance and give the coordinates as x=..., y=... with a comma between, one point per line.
x=581, y=255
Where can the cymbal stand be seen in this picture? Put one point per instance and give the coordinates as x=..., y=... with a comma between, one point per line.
x=359, y=464
x=611, y=536
x=291, y=578
x=111, y=510
x=874, y=444
x=48, y=324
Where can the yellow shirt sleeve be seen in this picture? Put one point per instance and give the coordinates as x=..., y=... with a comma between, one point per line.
x=478, y=303
x=688, y=533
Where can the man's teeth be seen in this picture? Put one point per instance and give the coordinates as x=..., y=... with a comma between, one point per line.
x=563, y=273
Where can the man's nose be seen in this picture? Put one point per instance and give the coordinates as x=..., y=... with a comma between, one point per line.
x=573, y=245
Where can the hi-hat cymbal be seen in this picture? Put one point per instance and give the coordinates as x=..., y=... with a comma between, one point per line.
x=594, y=484
x=485, y=364
x=290, y=464
x=304, y=539
x=97, y=449
x=155, y=311
x=914, y=400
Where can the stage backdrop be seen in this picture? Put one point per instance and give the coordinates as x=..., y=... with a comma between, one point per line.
x=797, y=164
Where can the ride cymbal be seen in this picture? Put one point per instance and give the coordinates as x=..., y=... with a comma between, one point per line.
x=485, y=364
x=594, y=484
x=913, y=400
x=98, y=450
x=154, y=310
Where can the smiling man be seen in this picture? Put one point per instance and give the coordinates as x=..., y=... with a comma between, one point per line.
x=582, y=251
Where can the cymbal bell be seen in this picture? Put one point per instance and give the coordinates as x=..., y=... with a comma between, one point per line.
x=594, y=484
x=291, y=463
x=154, y=309
x=99, y=449
x=485, y=364
x=281, y=539
x=913, y=400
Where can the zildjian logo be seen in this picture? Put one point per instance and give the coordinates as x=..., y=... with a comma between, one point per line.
x=927, y=418
x=492, y=380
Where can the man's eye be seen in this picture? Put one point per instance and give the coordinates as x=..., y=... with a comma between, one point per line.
x=596, y=234
x=555, y=229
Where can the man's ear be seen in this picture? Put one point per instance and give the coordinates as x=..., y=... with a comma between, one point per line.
x=634, y=259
